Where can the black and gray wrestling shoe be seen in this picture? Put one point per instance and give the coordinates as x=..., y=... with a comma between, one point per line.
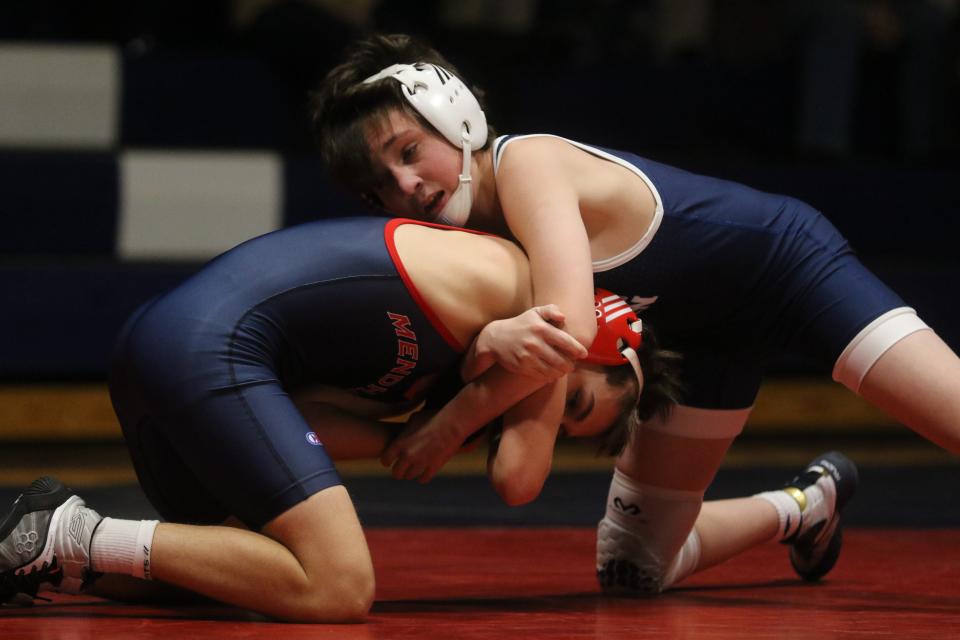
x=45, y=542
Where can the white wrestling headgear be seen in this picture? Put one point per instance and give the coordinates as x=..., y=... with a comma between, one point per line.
x=453, y=110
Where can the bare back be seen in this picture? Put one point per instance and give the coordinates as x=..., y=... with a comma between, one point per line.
x=467, y=279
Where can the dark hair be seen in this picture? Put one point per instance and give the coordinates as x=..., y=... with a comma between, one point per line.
x=342, y=106
x=661, y=391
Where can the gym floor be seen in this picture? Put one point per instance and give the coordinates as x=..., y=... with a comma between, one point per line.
x=454, y=563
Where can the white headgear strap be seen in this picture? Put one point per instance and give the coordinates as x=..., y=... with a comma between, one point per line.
x=458, y=206
x=631, y=354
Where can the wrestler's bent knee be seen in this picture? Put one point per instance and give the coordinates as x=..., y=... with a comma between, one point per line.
x=344, y=597
x=643, y=536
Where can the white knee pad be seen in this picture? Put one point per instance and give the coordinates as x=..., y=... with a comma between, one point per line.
x=685, y=562
x=641, y=535
x=872, y=342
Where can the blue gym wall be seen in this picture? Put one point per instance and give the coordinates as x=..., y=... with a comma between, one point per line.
x=132, y=152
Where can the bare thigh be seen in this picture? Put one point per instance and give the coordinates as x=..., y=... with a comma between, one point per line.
x=917, y=381
x=660, y=459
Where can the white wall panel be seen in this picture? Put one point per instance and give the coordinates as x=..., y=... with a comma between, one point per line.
x=58, y=96
x=194, y=205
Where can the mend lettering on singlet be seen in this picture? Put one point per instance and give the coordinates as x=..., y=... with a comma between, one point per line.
x=408, y=353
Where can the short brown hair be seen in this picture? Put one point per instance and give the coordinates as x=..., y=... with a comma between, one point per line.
x=342, y=106
x=661, y=391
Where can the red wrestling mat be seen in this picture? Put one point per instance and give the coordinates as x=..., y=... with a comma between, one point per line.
x=538, y=583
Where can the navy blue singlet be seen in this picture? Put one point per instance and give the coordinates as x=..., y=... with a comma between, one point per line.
x=200, y=375
x=729, y=275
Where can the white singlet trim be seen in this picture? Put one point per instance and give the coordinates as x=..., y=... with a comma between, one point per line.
x=628, y=255
x=702, y=424
x=872, y=342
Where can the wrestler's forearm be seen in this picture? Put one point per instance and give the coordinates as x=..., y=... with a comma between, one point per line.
x=345, y=435
x=485, y=399
x=474, y=363
x=521, y=462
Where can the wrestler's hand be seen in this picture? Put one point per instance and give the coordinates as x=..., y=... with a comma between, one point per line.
x=422, y=448
x=532, y=344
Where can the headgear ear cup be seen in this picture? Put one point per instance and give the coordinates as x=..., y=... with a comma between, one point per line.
x=447, y=104
x=619, y=333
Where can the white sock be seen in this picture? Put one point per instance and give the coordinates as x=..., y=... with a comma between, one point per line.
x=123, y=546
x=788, y=512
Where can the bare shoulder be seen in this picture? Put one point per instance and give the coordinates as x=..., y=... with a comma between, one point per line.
x=548, y=150
x=541, y=161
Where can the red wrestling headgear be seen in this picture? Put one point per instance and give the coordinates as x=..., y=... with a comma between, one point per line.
x=619, y=333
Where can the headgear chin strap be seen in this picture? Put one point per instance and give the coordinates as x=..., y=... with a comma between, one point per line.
x=458, y=206
x=447, y=104
x=619, y=333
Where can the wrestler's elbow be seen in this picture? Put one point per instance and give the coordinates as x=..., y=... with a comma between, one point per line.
x=515, y=494
x=517, y=485
x=583, y=332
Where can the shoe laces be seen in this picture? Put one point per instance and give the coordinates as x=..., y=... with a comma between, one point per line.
x=28, y=583
x=806, y=478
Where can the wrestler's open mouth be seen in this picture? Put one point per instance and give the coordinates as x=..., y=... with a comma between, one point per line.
x=433, y=204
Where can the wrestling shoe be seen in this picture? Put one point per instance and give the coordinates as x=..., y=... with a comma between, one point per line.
x=45, y=542
x=815, y=546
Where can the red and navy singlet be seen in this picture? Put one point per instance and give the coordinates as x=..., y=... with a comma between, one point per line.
x=201, y=375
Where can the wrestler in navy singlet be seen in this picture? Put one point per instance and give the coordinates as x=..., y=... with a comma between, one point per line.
x=201, y=374
x=728, y=275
